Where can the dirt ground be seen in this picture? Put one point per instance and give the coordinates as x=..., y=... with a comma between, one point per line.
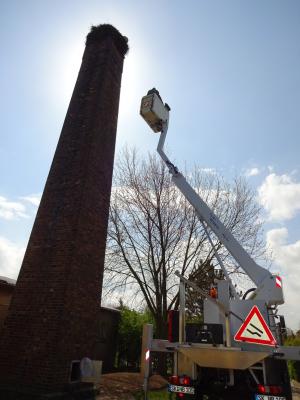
x=296, y=390
x=122, y=386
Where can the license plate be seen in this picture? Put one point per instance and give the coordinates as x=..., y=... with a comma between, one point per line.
x=181, y=389
x=268, y=397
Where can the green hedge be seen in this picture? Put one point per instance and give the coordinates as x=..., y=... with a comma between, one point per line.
x=130, y=338
x=294, y=366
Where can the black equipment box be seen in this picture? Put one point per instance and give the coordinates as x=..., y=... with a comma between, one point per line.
x=204, y=333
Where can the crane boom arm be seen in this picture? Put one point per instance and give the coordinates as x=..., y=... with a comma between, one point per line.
x=269, y=287
x=256, y=273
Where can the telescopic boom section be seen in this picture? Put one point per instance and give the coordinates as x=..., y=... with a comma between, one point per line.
x=156, y=114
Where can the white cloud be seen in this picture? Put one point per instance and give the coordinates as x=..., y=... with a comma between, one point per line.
x=252, y=172
x=11, y=209
x=280, y=196
x=287, y=258
x=11, y=256
x=33, y=199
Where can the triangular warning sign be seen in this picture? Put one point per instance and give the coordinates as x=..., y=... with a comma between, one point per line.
x=255, y=330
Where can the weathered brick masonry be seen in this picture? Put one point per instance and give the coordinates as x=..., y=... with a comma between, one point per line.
x=53, y=317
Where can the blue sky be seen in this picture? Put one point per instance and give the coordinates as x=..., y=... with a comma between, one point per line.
x=230, y=70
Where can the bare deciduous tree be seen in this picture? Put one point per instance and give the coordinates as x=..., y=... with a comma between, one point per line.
x=153, y=231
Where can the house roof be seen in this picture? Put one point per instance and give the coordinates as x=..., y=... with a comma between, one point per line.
x=7, y=281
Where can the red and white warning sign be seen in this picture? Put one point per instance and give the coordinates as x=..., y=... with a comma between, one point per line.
x=278, y=281
x=255, y=330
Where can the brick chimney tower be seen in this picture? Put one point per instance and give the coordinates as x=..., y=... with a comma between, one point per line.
x=53, y=319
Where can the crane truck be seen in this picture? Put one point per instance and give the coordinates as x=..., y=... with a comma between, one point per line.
x=238, y=351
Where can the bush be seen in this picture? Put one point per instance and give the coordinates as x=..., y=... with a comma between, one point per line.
x=294, y=366
x=130, y=338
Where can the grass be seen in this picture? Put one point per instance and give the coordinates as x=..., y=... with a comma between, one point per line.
x=156, y=395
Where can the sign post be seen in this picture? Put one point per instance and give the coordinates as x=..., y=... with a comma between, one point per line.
x=145, y=356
